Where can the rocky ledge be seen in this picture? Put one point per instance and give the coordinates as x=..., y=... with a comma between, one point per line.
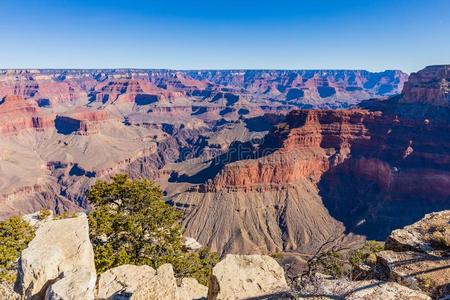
x=59, y=264
x=418, y=256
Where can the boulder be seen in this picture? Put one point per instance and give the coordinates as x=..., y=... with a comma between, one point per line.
x=417, y=270
x=246, y=276
x=61, y=255
x=191, y=289
x=144, y=283
x=73, y=285
x=429, y=235
x=125, y=278
x=368, y=290
x=360, y=290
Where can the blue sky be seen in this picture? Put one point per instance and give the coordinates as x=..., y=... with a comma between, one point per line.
x=278, y=34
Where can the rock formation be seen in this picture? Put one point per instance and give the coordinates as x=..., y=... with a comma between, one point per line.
x=59, y=262
x=281, y=184
x=419, y=274
x=418, y=256
x=370, y=167
x=143, y=282
x=430, y=235
x=62, y=129
x=246, y=276
x=58, y=265
x=429, y=86
x=363, y=289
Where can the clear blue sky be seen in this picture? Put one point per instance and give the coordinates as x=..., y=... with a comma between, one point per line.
x=183, y=34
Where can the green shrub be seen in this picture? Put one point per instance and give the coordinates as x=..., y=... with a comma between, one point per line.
x=366, y=254
x=332, y=263
x=65, y=215
x=15, y=234
x=131, y=224
x=277, y=255
x=441, y=239
x=44, y=214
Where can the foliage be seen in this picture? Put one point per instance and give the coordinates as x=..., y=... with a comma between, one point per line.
x=15, y=234
x=332, y=263
x=366, y=254
x=44, y=214
x=440, y=236
x=132, y=224
x=335, y=259
x=277, y=256
x=197, y=264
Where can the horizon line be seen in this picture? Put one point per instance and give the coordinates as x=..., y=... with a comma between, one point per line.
x=200, y=69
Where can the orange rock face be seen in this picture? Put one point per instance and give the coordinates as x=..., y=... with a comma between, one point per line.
x=305, y=146
x=17, y=114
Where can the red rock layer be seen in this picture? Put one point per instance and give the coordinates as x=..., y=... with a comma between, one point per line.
x=17, y=114
x=81, y=122
x=306, y=143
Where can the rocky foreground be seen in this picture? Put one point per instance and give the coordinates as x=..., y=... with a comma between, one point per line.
x=59, y=264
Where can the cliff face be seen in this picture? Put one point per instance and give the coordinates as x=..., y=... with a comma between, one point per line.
x=403, y=171
x=302, y=144
x=271, y=203
x=203, y=137
x=371, y=168
x=431, y=86
x=334, y=88
x=60, y=130
x=18, y=114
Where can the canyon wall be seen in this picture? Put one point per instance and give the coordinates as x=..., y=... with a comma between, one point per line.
x=63, y=129
x=248, y=179
x=374, y=168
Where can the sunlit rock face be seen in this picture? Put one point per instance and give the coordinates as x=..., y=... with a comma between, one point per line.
x=60, y=130
x=372, y=168
x=429, y=86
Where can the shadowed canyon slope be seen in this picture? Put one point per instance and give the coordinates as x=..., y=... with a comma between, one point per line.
x=62, y=129
x=374, y=168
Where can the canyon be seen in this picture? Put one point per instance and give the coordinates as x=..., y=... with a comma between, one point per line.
x=375, y=168
x=62, y=129
x=259, y=161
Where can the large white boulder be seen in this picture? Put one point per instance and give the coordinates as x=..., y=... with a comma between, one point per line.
x=60, y=256
x=246, y=276
x=145, y=283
